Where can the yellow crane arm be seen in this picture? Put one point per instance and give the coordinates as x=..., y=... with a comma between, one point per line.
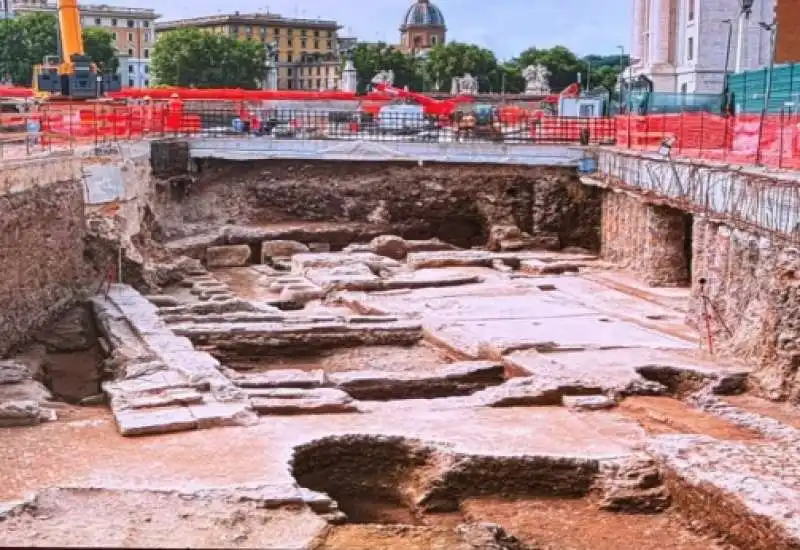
x=69, y=21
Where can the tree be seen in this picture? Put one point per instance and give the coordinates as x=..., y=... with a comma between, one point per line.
x=26, y=40
x=563, y=65
x=455, y=59
x=99, y=46
x=194, y=58
x=370, y=59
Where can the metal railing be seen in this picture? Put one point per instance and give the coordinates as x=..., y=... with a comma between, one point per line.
x=69, y=127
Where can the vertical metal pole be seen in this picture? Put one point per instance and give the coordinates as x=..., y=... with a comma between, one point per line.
x=767, y=86
x=740, y=41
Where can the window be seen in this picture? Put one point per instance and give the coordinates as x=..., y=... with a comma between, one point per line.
x=130, y=83
x=146, y=83
x=303, y=32
x=690, y=49
x=130, y=23
x=146, y=53
x=114, y=35
x=330, y=44
x=147, y=69
x=130, y=68
x=147, y=36
x=303, y=43
x=130, y=37
x=290, y=85
x=146, y=24
x=130, y=52
x=316, y=44
x=319, y=83
x=113, y=22
x=289, y=56
x=316, y=33
x=433, y=40
x=691, y=10
x=276, y=32
x=289, y=71
x=684, y=88
x=98, y=21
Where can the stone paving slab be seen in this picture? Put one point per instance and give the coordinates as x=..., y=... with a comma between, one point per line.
x=283, y=378
x=491, y=339
x=461, y=378
x=287, y=401
x=181, y=388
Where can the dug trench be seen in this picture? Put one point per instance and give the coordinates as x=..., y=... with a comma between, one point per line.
x=397, y=493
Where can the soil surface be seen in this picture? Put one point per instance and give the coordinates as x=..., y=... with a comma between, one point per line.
x=665, y=415
x=421, y=357
x=580, y=525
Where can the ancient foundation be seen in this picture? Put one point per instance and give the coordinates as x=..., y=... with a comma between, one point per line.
x=41, y=245
x=336, y=355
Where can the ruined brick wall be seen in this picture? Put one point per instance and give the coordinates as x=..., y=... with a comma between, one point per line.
x=457, y=203
x=754, y=286
x=649, y=240
x=41, y=251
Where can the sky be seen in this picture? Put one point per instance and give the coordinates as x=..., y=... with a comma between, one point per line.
x=505, y=26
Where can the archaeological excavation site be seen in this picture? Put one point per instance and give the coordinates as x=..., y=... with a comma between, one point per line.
x=206, y=349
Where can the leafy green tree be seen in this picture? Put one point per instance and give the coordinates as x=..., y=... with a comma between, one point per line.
x=455, y=59
x=194, y=58
x=99, y=46
x=370, y=59
x=563, y=65
x=26, y=40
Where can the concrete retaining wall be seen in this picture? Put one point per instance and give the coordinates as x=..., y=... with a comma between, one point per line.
x=42, y=227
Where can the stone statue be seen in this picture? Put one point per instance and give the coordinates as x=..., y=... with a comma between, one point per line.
x=349, y=80
x=384, y=77
x=465, y=85
x=468, y=85
x=536, y=80
x=271, y=67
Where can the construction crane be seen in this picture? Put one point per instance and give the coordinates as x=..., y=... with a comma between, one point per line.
x=71, y=74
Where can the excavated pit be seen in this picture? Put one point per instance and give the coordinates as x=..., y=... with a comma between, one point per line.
x=397, y=493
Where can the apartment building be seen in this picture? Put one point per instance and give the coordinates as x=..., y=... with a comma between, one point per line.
x=682, y=45
x=308, y=49
x=133, y=30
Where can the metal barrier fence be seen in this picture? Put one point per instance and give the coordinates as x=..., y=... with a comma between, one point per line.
x=772, y=140
x=68, y=127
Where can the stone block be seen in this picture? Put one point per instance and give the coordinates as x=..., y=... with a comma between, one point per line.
x=390, y=246
x=281, y=249
x=589, y=402
x=13, y=372
x=154, y=421
x=20, y=413
x=284, y=378
x=212, y=414
x=236, y=255
x=297, y=401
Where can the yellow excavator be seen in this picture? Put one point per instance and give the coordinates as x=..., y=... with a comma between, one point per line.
x=71, y=74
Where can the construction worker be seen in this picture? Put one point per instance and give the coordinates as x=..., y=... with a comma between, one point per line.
x=174, y=113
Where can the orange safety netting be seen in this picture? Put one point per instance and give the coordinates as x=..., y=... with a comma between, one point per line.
x=743, y=139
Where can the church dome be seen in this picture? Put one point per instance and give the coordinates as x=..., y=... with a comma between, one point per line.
x=423, y=13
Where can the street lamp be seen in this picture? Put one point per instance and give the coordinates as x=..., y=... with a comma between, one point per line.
x=745, y=9
x=772, y=28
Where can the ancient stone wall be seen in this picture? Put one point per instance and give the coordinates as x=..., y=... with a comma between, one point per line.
x=41, y=246
x=753, y=291
x=457, y=203
x=650, y=240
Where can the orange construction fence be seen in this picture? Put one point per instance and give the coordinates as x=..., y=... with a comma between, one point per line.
x=772, y=140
